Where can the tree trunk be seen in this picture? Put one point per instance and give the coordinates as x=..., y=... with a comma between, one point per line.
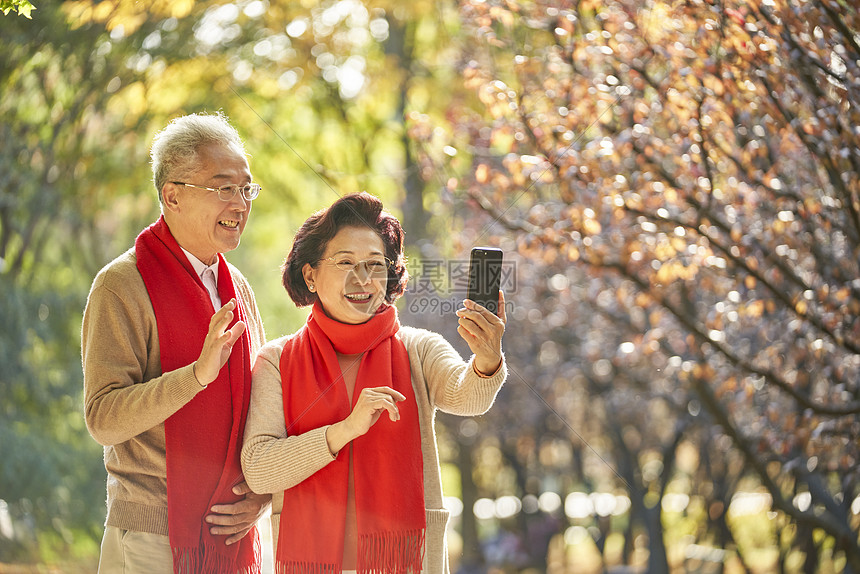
x=473, y=557
x=400, y=44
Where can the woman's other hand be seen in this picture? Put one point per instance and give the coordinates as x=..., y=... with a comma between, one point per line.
x=482, y=330
x=371, y=403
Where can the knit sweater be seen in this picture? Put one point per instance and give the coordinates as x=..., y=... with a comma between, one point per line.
x=273, y=462
x=127, y=398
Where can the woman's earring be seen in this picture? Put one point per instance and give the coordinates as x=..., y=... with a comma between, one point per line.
x=311, y=288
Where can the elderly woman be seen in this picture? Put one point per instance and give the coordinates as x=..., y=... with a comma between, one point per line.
x=360, y=491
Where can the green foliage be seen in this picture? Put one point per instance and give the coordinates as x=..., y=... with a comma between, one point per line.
x=50, y=471
x=60, y=207
x=23, y=7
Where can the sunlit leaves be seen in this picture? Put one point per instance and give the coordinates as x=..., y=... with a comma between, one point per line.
x=21, y=7
x=125, y=17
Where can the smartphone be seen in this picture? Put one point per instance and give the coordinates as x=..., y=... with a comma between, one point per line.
x=485, y=277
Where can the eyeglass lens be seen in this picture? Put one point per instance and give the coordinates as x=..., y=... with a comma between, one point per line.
x=370, y=266
x=228, y=192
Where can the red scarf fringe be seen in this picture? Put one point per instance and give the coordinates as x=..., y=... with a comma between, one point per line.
x=391, y=552
x=378, y=553
x=306, y=568
x=208, y=558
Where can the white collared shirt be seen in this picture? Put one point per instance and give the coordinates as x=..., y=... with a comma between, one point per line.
x=208, y=274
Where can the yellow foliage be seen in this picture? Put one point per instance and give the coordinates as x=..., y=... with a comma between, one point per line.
x=664, y=252
x=591, y=227
x=778, y=227
x=547, y=176
x=502, y=16
x=754, y=309
x=501, y=181
x=731, y=384
x=176, y=83
x=103, y=10
x=667, y=272
x=736, y=233
x=129, y=15
x=670, y=194
x=178, y=8
x=703, y=371
x=482, y=173
x=502, y=141
x=131, y=103
x=78, y=13
x=716, y=322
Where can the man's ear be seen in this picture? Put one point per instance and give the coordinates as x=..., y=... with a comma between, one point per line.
x=170, y=196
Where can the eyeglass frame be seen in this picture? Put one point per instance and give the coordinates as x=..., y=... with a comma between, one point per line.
x=389, y=265
x=220, y=190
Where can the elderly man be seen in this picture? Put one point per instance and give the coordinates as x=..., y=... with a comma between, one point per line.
x=169, y=335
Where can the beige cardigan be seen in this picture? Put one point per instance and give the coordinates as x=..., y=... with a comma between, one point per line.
x=126, y=396
x=273, y=462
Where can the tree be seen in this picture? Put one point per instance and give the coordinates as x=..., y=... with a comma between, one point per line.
x=53, y=78
x=685, y=177
x=321, y=95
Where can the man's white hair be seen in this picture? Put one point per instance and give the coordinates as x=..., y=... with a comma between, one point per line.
x=174, y=148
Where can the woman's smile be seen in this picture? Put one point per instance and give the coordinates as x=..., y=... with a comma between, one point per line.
x=359, y=297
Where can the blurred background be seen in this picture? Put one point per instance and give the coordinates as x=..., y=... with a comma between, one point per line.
x=674, y=184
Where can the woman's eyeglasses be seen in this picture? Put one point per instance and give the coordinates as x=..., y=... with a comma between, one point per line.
x=375, y=267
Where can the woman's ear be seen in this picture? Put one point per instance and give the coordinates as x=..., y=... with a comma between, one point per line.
x=309, y=273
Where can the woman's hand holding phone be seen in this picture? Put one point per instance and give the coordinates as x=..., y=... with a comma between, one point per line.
x=482, y=319
x=483, y=331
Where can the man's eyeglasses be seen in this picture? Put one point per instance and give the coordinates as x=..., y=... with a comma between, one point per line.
x=376, y=267
x=250, y=191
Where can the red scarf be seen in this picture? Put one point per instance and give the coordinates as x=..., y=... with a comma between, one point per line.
x=203, y=438
x=387, y=461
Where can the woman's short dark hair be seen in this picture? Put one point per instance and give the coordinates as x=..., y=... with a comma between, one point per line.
x=353, y=210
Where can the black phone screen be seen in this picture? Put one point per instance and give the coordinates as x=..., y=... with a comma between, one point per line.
x=485, y=277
